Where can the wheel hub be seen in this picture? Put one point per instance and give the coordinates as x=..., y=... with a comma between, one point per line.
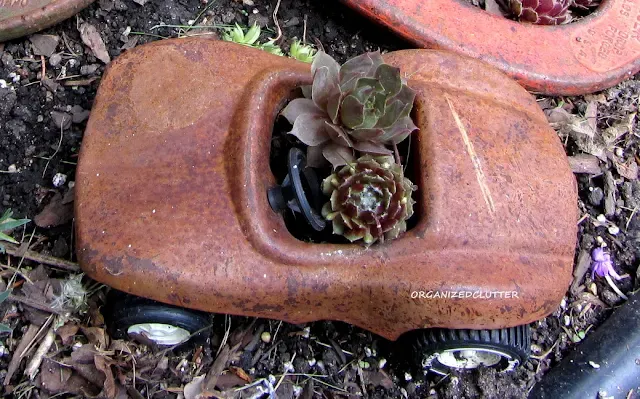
x=160, y=334
x=471, y=358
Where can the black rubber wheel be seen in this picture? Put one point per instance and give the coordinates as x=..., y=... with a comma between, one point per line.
x=441, y=350
x=124, y=311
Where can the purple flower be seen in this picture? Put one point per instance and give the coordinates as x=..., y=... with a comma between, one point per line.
x=602, y=265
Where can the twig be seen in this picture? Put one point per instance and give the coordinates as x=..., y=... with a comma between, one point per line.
x=62, y=264
x=19, y=352
x=57, y=149
x=275, y=21
x=34, y=363
x=66, y=44
x=35, y=304
x=626, y=227
x=13, y=278
x=44, y=68
x=304, y=30
x=615, y=288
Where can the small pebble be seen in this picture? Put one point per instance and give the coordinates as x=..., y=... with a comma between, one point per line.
x=596, y=195
x=407, y=377
x=567, y=320
x=12, y=168
x=381, y=363
x=367, y=351
x=306, y=332
x=613, y=230
x=55, y=59
x=594, y=364
x=59, y=179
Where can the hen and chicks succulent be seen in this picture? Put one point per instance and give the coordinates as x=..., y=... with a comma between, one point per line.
x=350, y=116
x=546, y=12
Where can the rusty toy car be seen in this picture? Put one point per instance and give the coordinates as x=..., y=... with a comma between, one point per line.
x=171, y=206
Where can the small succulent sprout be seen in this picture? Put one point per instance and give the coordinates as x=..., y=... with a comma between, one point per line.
x=302, y=52
x=370, y=200
x=541, y=12
x=238, y=35
x=602, y=264
x=363, y=105
x=7, y=223
x=271, y=47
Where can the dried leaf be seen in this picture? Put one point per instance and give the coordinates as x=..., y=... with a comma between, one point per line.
x=241, y=373
x=56, y=212
x=67, y=332
x=581, y=268
x=91, y=37
x=44, y=44
x=19, y=354
x=83, y=362
x=582, y=126
x=592, y=115
x=104, y=365
x=585, y=163
x=56, y=379
x=96, y=336
x=492, y=7
x=378, y=379
x=120, y=346
x=193, y=390
x=628, y=169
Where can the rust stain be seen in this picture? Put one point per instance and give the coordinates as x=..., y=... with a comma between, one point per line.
x=475, y=160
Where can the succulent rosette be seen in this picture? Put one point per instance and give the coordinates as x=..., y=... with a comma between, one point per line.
x=542, y=12
x=363, y=106
x=370, y=199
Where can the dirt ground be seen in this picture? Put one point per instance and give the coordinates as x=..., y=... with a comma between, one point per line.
x=44, y=103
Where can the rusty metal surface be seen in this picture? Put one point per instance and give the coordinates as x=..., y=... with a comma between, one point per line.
x=171, y=196
x=22, y=17
x=589, y=55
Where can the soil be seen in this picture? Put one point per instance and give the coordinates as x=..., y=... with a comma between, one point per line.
x=37, y=143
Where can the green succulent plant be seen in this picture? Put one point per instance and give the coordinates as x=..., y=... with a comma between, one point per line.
x=271, y=47
x=7, y=223
x=250, y=38
x=238, y=35
x=362, y=106
x=302, y=52
x=370, y=200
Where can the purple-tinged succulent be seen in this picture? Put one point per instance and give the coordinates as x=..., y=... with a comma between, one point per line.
x=542, y=12
x=370, y=200
x=585, y=4
x=362, y=106
x=602, y=265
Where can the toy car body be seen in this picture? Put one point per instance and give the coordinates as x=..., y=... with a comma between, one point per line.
x=171, y=197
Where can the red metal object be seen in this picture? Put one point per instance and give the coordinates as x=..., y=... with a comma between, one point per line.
x=22, y=17
x=592, y=54
x=171, y=196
